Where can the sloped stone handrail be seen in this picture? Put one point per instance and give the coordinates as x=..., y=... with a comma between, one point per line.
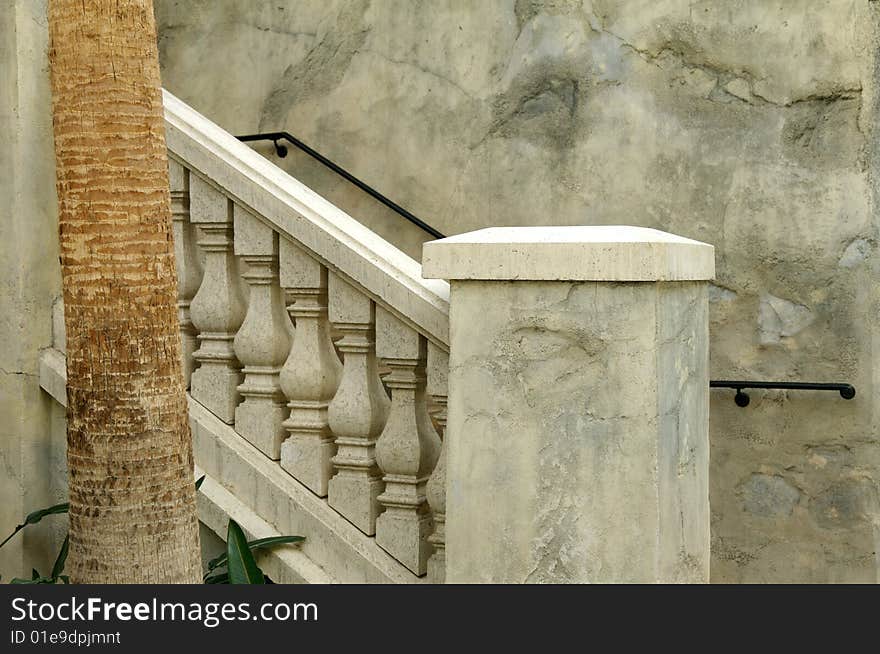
x=337, y=240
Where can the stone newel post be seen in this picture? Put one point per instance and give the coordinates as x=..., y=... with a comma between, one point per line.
x=578, y=405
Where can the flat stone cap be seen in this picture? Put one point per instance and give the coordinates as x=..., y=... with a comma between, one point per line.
x=608, y=253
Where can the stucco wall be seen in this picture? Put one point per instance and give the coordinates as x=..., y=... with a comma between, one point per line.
x=744, y=123
x=32, y=458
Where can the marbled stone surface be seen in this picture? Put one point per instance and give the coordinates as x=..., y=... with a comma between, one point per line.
x=578, y=433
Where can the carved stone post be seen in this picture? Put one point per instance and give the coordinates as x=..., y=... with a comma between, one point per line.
x=358, y=410
x=408, y=447
x=577, y=441
x=218, y=308
x=310, y=374
x=186, y=262
x=438, y=372
x=263, y=340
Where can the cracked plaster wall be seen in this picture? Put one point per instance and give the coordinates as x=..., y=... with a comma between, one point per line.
x=32, y=456
x=748, y=124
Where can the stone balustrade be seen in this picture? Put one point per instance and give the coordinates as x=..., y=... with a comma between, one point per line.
x=575, y=381
x=266, y=361
x=575, y=447
x=551, y=427
x=273, y=372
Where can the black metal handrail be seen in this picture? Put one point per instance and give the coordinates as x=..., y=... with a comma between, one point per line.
x=281, y=151
x=741, y=398
x=847, y=391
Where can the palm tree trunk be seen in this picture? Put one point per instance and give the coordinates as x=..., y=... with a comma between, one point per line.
x=132, y=498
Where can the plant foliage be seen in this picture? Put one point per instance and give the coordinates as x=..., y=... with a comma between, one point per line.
x=241, y=567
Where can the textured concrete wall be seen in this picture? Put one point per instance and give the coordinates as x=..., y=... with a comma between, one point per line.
x=744, y=123
x=32, y=461
x=580, y=450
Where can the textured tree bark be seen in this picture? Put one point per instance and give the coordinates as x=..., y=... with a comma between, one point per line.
x=132, y=498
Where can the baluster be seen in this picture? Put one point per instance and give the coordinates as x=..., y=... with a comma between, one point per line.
x=408, y=446
x=438, y=373
x=263, y=340
x=310, y=374
x=218, y=307
x=186, y=261
x=358, y=410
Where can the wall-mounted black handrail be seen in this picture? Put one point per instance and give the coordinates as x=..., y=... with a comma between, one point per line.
x=847, y=391
x=281, y=151
x=741, y=398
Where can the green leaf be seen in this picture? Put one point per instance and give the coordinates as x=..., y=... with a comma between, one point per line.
x=58, y=568
x=35, y=574
x=64, y=578
x=222, y=578
x=36, y=580
x=254, y=545
x=199, y=481
x=34, y=517
x=240, y=562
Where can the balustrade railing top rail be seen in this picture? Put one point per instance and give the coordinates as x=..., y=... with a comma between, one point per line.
x=333, y=237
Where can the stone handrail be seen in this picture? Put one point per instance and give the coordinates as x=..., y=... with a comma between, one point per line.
x=289, y=309
x=333, y=237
